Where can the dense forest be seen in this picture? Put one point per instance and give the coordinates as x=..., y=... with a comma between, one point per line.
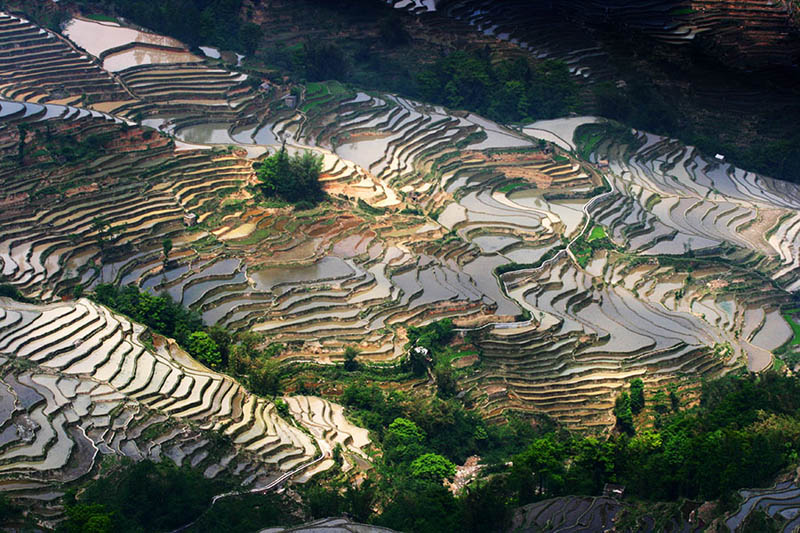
x=148, y=497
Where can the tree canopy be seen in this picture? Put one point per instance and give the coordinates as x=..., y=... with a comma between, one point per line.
x=293, y=178
x=204, y=349
x=433, y=467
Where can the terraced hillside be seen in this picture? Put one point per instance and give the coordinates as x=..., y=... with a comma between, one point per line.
x=80, y=382
x=428, y=204
x=780, y=502
x=753, y=34
x=567, y=515
x=37, y=65
x=669, y=199
x=573, y=255
x=498, y=196
x=110, y=68
x=591, y=326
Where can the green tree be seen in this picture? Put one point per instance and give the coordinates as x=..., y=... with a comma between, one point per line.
x=294, y=178
x=273, y=171
x=360, y=500
x=540, y=469
x=77, y=291
x=637, y=396
x=660, y=402
x=433, y=467
x=403, y=441
x=265, y=378
x=323, y=502
x=204, y=349
x=166, y=245
x=12, y=292
x=446, y=386
x=142, y=496
x=305, y=168
x=102, y=231
x=350, y=363
x=337, y=453
x=223, y=339
x=422, y=507
x=593, y=464
x=250, y=35
x=623, y=413
x=674, y=400
x=88, y=518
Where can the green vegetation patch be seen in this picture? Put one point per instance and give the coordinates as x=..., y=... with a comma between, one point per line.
x=291, y=178
x=589, y=136
x=147, y=496
x=598, y=232
x=790, y=316
x=513, y=186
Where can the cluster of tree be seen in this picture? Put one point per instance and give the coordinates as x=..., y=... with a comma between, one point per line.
x=214, y=346
x=509, y=91
x=64, y=147
x=9, y=291
x=293, y=178
x=144, y=496
x=159, y=313
x=422, y=439
x=321, y=61
x=412, y=469
x=743, y=432
x=427, y=347
x=148, y=496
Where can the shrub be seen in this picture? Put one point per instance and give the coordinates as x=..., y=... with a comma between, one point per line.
x=637, y=395
x=433, y=467
x=204, y=349
x=350, y=363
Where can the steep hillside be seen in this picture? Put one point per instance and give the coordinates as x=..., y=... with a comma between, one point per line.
x=81, y=382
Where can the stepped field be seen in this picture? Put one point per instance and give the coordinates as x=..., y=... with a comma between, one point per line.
x=497, y=197
x=573, y=253
x=780, y=502
x=81, y=382
x=442, y=199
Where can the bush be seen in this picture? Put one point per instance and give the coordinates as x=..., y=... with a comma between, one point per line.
x=10, y=291
x=350, y=363
x=204, y=349
x=433, y=467
x=637, y=395
x=623, y=413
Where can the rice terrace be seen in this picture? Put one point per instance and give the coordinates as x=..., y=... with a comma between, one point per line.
x=405, y=265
